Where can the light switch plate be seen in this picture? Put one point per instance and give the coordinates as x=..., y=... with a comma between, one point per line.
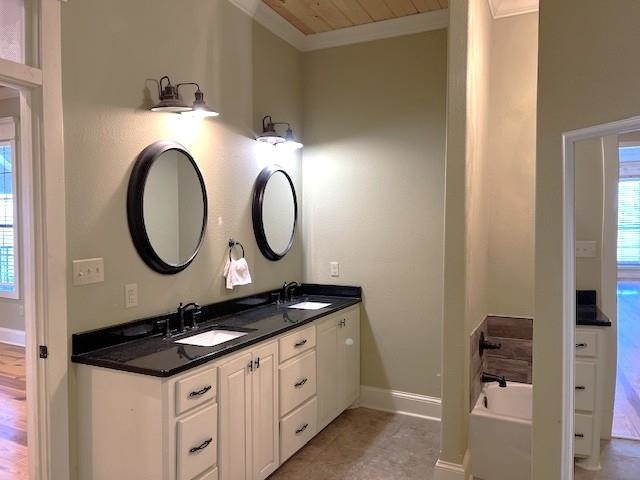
x=334, y=267
x=131, y=295
x=585, y=249
x=89, y=270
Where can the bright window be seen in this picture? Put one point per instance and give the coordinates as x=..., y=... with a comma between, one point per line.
x=8, y=237
x=629, y=207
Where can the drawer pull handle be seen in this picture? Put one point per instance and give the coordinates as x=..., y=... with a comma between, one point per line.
x=581, y=345
x=202, y=446
x=580, y=387
x=302, y=428
x=300, y=343
x=579, y=435
x=301, y=383
x=200, y=392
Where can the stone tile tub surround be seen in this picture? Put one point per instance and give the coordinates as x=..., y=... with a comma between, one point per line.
x=514, y=360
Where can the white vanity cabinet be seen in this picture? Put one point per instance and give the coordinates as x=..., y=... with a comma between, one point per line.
x=249, y=435
x=338, y=358
x=238, y=417
x=589, y=371
x=138, y=427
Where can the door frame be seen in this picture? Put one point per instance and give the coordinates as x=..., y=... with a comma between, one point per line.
x=568, y=274
x=42, y=207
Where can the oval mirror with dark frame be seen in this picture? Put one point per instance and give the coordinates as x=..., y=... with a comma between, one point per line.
x=166, y=207
x=274, y=212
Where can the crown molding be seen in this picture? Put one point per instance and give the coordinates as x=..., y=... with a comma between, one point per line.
x=509, y=8
x=267, y=17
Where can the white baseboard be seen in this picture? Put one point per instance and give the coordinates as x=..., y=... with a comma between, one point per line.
x=452, y=471
x=400, y=402
x=12, y=337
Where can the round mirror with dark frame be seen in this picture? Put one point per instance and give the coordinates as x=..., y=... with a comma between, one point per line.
x=166, y=207
x=274, y=212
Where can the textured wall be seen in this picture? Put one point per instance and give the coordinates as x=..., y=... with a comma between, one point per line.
x=373, y=179
x=588, y=73
x=110, y=49
x=512, y=153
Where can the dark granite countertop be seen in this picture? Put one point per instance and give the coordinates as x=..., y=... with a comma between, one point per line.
x=591, y=315
x=141, y=347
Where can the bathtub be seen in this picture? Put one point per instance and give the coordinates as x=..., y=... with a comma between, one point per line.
x=500, y=432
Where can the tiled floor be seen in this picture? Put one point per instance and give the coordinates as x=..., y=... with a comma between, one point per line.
x=367, y=444
x=620, y=461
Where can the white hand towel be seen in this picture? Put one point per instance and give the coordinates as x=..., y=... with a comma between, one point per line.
x=237, y=273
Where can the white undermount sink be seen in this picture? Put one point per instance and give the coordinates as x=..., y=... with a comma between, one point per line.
x=211, y=338
x=309, y=305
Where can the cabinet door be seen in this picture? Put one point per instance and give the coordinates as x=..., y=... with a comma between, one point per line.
x=349, y=358
x=234, y=389
x=327, y=371
x=266, y=454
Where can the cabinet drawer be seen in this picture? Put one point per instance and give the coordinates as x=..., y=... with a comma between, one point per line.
x=585, y=383
x=197, y=443
x=297, y=343
x=195, y=390
x=297, y=381
x=297, y=428
x=586, y=343
x=583, y=428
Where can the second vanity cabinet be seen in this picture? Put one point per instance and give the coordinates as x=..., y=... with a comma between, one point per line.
x=338, y=346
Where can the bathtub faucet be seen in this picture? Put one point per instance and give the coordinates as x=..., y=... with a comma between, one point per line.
x=490, y=377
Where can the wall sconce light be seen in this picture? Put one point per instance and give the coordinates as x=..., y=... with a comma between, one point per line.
x=269, y=134
x=170, y=101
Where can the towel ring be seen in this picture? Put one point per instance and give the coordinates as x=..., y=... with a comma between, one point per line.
x=233, y=243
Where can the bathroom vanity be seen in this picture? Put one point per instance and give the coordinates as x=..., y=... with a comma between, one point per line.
x=150, y=407
x=590, y=358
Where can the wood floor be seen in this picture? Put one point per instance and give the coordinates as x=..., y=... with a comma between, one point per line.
x=13, y=414
x=626, y=418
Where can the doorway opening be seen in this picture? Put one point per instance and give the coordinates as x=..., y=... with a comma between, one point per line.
x=626, y=418
x=13, y=353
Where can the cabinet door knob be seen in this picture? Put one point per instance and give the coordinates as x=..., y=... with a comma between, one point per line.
x=302, y=428
x=300, y=343
x=301, y=383
x=202, y=446
x=200, y=392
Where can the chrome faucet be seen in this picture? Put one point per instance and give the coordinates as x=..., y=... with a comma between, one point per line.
x=285, y=293
x=184, y=308
x=490, y=377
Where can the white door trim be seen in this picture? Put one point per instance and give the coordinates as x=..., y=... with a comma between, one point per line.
x=568, y=277
x=42, y=208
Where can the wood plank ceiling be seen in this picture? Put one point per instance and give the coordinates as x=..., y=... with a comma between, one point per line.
x=317, y=16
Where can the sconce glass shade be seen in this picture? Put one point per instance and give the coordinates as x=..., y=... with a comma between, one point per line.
x=200, y=108
x=269, y=135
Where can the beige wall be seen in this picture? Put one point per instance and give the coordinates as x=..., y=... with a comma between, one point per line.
x=588, y=73
x=11, y=311
x=588, y=210
x=511, y=170
x=490, y=178
x=109, y=50
x=373, y=180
